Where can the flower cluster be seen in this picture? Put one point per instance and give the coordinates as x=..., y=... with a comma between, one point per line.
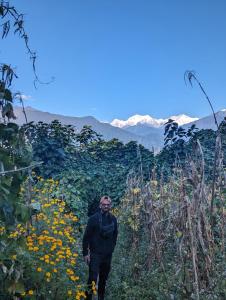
x=20, y=230
x=51, y=241
x=2, y=230
x=94, y=288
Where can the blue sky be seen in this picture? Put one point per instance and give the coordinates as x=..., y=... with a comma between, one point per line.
x=113, y=59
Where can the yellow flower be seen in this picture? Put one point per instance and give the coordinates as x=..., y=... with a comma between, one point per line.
x=14, y=257
x=94, y=287
x=39, y=269
x=48, y=274
x=30, y=292
x=69, y=293
x=2, y=229
x=74, y=278
x=55, y=270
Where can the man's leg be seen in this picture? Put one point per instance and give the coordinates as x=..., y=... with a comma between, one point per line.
x=105, y=267
x=94, y=267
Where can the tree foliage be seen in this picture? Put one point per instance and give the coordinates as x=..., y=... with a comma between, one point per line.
x=180, y=143
x=87, y=163
x=52, y=145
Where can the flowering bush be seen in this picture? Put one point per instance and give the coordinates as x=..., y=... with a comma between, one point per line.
x=46, y=249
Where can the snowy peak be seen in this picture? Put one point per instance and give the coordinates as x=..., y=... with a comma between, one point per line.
x=183, y=119
x=136, y=119
x=149, y=121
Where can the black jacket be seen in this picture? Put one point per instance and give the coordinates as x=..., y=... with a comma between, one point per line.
x=93, y=239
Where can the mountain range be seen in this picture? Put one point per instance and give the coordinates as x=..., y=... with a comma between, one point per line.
x=146, y=130
x=149, y=121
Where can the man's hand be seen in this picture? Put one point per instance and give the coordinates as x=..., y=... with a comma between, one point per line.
x=87, y=259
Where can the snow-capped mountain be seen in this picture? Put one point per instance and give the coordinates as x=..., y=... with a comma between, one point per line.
x=208, y=122
x=152, y=122
x=146, y=131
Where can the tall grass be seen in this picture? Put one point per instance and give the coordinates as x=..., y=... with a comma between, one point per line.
x=172, y=239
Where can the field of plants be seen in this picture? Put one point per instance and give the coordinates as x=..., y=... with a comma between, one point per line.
x=170, y=206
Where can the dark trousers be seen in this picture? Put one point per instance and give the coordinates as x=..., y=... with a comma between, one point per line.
x=100, y=264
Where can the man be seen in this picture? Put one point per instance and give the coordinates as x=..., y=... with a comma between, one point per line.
x=99, y=241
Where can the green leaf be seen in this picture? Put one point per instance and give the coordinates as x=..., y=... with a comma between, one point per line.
x=19, y=287
x=8, y=95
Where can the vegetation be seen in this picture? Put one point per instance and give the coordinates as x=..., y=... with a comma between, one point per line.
x=167, y=243
x=176, y=152
x=170, y=208
x=37, y=230
x=85, y=161
x=40, y=256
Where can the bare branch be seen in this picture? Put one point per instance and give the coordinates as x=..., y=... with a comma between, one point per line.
x=190, y=75
x=21, y=169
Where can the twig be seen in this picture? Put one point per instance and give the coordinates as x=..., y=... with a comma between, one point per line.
x=19, y=28
x=21, y=169
x=18, y=95
x=191, y=75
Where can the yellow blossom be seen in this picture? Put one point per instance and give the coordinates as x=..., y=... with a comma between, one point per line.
x=30, y=292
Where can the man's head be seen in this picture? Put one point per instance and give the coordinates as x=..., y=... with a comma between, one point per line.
x=105, y=204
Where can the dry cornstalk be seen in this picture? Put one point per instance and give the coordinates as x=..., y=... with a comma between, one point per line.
x=193, y=251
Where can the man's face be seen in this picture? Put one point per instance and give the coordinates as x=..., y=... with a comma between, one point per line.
x=105, y=206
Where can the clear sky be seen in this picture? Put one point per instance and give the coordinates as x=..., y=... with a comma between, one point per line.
x=116, y=58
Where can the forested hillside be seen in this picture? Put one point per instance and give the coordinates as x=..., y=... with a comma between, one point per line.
x=170, y=207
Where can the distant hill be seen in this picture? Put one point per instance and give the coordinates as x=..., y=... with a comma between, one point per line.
x=208, y=122
x=107, y=130
x=146, y=131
